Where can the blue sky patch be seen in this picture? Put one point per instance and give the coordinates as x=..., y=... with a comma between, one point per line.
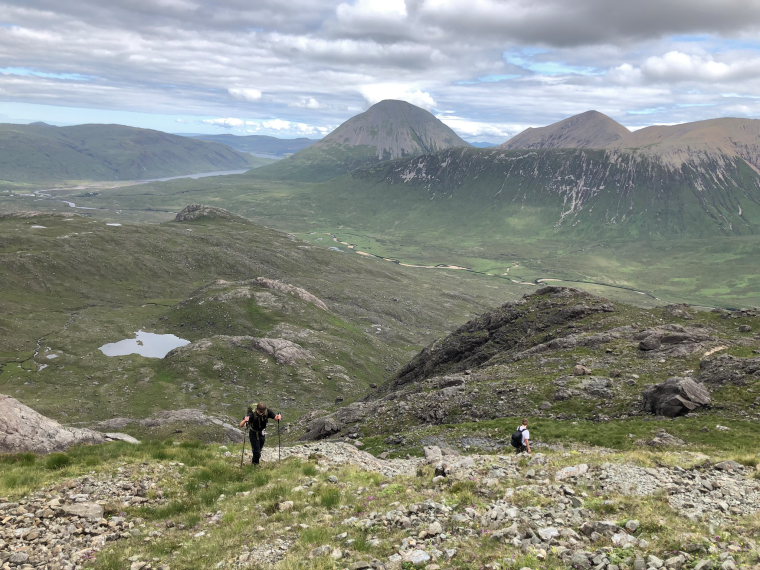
x=36, y=73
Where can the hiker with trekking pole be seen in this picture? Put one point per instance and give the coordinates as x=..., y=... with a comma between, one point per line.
x=255, y=421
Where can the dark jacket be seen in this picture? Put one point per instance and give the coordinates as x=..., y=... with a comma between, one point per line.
x=258, y=422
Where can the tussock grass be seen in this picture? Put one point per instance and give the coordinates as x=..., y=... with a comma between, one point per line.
x=329, y=497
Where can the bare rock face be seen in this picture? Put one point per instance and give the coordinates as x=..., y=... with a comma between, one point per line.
x=676, y=396
x=23, y=429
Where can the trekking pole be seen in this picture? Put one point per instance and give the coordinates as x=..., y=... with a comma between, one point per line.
x=279, y=446
x=242, y=453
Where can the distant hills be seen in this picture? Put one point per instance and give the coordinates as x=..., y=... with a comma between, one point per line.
x=40, y=153
x=261, y=145
x=388, y=130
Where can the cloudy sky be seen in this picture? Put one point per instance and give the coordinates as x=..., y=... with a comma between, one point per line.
x=487, y=68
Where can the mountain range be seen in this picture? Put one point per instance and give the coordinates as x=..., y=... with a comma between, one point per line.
x=43, y=153
x=586, y=175
x=672, y=211
x=677, y=144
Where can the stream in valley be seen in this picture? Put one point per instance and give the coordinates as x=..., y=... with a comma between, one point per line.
x=538, y=281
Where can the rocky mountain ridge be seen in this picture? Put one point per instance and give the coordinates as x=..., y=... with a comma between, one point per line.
x=585, y=192
x=566, y=354
x=675, y=145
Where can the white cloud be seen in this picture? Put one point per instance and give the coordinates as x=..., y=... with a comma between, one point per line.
x=679, y=66
x=383, y=18
x=280, y=127
x=477, y=130
x=227, y=123
x=373, y=12
x=377, y=92
x=245, y=94
x=307, y=103
x=586, y=22
x=315, y=63
x=625, y=74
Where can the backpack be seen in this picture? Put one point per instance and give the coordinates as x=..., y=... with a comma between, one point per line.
x=517, y=438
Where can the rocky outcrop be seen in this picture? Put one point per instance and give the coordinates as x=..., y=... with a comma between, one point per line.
x=320, y=425
x=302, y=294
x=22, y=429
x=505, y=333
x=559, y=353
x=246, y=289
x=175, y=417
x=726, y=370
x=195, y=212
x=675, y=397
x=674, y=339
x=664, y=439
x=283, y=351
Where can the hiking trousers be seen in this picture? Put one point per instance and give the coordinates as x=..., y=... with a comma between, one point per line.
x=257, y=444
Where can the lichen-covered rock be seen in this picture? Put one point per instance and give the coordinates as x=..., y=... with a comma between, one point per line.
x=676, y=396
x=321, y=428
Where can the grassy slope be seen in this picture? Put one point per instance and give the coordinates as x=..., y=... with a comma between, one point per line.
x=470, y=223
x=77, y=283
x=199, y=481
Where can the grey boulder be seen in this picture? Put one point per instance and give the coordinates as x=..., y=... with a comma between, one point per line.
x=676, y=396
